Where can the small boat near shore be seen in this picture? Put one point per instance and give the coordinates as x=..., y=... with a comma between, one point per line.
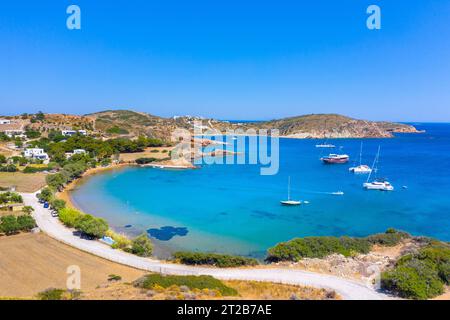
x=333, y=158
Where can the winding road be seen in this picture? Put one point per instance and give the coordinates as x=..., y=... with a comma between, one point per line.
x=348, y=289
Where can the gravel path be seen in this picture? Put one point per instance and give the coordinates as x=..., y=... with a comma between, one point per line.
x=348, y=289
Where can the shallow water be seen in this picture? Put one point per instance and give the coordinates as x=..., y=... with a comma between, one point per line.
x=232, y=208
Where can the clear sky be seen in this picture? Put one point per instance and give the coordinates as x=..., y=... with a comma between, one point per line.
x=228, y=59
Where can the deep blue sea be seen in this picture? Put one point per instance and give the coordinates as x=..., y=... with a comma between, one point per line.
x=234, y=209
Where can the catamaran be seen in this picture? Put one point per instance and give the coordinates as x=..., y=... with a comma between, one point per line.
x=290, y=202
x=362, y=168
x=379, y=183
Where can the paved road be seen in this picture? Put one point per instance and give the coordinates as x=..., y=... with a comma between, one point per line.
x=348, y=289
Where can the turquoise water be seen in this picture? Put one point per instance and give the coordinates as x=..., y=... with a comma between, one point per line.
x=233, y=209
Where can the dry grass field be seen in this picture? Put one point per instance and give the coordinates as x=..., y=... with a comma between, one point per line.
x=30, y=263
x=24, y=182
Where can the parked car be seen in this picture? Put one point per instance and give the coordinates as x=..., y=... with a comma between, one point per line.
x=46, y=205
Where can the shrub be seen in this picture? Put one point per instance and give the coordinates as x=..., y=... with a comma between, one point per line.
x=32, y=169
x=69, y=216
x=8, y=168
x=219, y=260
x=145, y=160
x=51, y=294
x=142, y=246
x=193, y=282
x=45, y=195
x=120, y=241
x=390, y=238
x=421, y=275
x=9, y=225
x=317, y=247
x=114, y=277
x=117, y=130
x=58, y=204
x=91, y=226
x=26, y=222
x=10, y=197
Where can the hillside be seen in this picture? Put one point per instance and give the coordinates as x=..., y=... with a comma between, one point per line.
x=126, y=123
x=335, y=126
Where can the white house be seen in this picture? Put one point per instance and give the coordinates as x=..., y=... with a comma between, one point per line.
x=35, y=153
x=5, y=121
x=69, y=133
x=75, y=151
x=15, y=133
x=79, y=151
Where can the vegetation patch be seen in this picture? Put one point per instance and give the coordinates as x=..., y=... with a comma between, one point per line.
x=320, y=247
x=421, y=275
x=10, y=224
x=218, y=260
x=153, y=281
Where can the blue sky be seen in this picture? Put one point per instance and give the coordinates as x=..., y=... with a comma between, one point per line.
x=228, y=59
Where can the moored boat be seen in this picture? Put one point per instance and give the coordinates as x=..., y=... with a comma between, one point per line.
x=290, y=202
x=380, y=184
x=333, y=158
x=361, y=168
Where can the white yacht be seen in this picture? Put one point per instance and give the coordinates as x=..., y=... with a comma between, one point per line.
x=377, y=184
x=290, y=202
x=361, y=168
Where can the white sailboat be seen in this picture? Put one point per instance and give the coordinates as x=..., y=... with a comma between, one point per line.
x=290, y=202
x=362, y=168
x=379, y=183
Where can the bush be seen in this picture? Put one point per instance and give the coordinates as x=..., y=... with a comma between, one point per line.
x=390, y=238
x=193, y=282
x=145, y=160
x=26, y=223
x=142, y=246
x=8, y=168
x=91, y=226
x=10, y=224
x=51, y=294
x=58, y=204
x=10, y=197
x=421, y=275
x=218, y=260
x=120, y=241
x=317, y=247
x=69, y=216
x=32, y=169
x=117, y=130
x=45, y=195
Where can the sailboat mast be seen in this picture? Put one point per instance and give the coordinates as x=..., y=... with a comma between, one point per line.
x=289, y=188
x=374, y=163
x=360, y=154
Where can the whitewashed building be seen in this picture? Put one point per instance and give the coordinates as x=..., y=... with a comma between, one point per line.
x=5, y=121
x=35, y=153
x=69, y=133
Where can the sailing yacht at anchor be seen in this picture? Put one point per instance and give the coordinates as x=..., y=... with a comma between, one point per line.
x=361, y=168
x=290, y=202
x=379, y=183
